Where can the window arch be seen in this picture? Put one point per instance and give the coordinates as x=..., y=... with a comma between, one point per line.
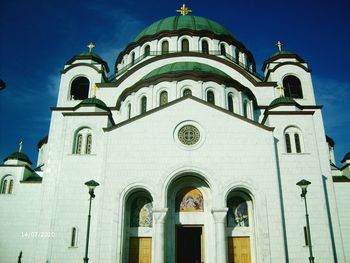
x=7, y=184
x=163, y=98
x=205, y=47
x=292, y=87
x=223, y=50
x=230, y=102
x=147, y=50
x=83, y=141
x=185, y=45
x=79, y=88
x=293, y=140
x=165, y=47
x=189, y=199
x=187, y=92
x=143, y=105
x=210, y=97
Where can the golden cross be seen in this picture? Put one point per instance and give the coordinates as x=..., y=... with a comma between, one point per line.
x=184, y=10
x=280, y=90
x=20, y=146
x=90, y=46
x=279, y=44
x=94, y=89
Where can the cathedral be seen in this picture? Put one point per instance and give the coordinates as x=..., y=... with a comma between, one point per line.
x=183, y=153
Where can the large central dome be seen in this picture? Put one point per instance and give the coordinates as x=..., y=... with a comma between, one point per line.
x=173, y=23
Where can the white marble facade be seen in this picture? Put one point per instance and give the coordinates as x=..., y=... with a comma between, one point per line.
x=225, y=142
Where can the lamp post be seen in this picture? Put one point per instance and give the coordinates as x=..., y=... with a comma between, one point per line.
x=91, y=185
x=303, y=184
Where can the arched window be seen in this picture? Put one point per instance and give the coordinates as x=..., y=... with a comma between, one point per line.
x=237, y=55
x=78, y=144
x=230, y=102
x=245, y=109
x=79, y=89
x=288, y=145
x=210, y=97
x=163, y=98
x=83, y=141
x=292, y=87
x=88, y=144
x=147, y=50
x=132, y=62
x=73, y=240
x=141, y=212
x=187, y=92
x=143, y=105
x=205, y=47
x=165, y=47
x=297, y=143
x=129, y=111
x=237, y=214
x=185, y=45
x=7, y=185
x=189, y=199
x=222, y=50
x=293, y=140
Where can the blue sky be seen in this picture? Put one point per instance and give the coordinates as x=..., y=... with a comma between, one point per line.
x=38, y=37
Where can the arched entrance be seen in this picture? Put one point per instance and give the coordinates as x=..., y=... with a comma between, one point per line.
x=239, y=227
x=138, y=227
x=189, y=220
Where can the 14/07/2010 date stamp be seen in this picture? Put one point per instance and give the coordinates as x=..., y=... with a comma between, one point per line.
x=35, y=234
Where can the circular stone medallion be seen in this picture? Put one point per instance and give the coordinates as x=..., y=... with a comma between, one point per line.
x=189, y=135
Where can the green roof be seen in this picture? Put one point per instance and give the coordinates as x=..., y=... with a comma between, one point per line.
x=282, y=52
x=89, y=55
x=94, y=101
x=181, y=67
x=174, y=23
x=283, y=100
x=18, y=156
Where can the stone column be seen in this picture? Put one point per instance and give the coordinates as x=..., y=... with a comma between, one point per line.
x=159, y=216
x=220, y=235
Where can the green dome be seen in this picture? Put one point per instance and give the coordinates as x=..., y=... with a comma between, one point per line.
x=173, y=23
x=283, y=101
x=94, y=101
x=282, y=52
x=180, y=67
x=18, y=156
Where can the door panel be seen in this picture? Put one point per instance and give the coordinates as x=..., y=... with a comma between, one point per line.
x=239, y=250
x=140, y=250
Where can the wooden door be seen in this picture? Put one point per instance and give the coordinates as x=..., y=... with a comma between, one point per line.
x=239, y=250
x=140, y=250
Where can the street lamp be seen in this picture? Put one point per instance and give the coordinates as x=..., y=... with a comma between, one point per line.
x=91, y=185
x=303, y=185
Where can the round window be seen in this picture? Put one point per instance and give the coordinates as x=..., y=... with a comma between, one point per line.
x=189, y=135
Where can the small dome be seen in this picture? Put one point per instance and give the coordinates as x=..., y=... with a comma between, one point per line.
x=94, y=101
x=18, y=156
x=282, y=54
x=90, y=56
x=174, y=23
x=346, y=157
x=181, y=67
x=283, y=101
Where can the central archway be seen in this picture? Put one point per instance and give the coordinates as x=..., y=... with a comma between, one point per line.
x=189, y=219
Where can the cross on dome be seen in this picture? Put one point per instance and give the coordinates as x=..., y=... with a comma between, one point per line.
x=90, y=46
x=94, y=90
x=184, y=10
x=279, y=44
x=20, y=147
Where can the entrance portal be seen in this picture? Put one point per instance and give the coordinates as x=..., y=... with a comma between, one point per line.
x=189, y=244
